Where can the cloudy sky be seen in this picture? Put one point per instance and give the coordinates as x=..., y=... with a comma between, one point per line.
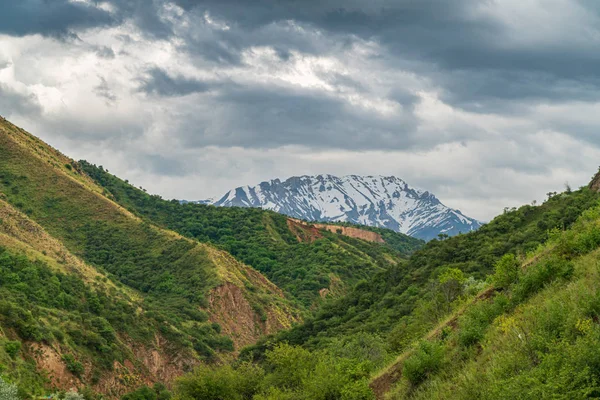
x=485, y=103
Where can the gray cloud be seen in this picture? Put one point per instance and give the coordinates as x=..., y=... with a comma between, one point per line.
x=54, y=17
x=447, y=40
x=158, y=82
x=105, y=52
x=465, y=98
x=104, y=91
x=262, y=117
x=162, y=165
x=13, y=102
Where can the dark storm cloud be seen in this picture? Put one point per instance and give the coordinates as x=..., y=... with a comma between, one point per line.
x=49, y=17
x=61, y=18
x=158, y=82
x=465, y=54
x=261, y=117
x=333, y=78
x=512, y=92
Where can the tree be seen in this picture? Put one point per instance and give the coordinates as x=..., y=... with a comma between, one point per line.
x=506, y=271
x=219, y=383
x=12, y=348
x=450, y=284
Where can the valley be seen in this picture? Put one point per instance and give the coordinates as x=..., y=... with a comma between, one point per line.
x=286, y=200
x=119, y=293
x=167, y=300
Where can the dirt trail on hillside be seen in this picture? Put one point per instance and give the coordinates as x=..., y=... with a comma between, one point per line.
x=383, y=383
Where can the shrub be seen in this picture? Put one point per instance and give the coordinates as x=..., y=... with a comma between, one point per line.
x=72, y=395
x=74, y=366
x=540, y=274
x=290, y=365
x=358, y=390
x=426, y=360
x=476, y=320
x=217, y=383
x=143, y=393
x=506, y=271
x=12, y=348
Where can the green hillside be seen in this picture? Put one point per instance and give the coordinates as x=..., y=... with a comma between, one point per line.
x=535, y=335
x=110, y=300
x=425, y=328
x=98, y=292
x=110, y=290
x=401, y=302
x=265, y=241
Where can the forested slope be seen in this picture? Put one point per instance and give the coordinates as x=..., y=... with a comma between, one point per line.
x=510, y=311
x=535, y=335
x=301, y=263
x=99, y=293
x=402, y=302
x=106, y=287
x=113, y=300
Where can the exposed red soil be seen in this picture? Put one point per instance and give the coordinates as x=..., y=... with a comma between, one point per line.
x=308, y=232
x=303, y=231
x=154, y=363
x=239, y=320
x=50, y=360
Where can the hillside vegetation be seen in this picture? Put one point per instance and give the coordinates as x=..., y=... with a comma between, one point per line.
x=104, y=298
x=108, y=289
x=403, y=301
x=436, y=312
x=301, y=263
x=536, y=336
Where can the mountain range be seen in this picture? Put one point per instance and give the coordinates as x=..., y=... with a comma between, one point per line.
x=379, y=201
x=121, y=294
x=106, y=287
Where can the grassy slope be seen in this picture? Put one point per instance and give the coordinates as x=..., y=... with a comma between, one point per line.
x=263, y=240
x=391, y=302
x=45, y=292
x=542, y=300
x=173, y=275
x=536, y=337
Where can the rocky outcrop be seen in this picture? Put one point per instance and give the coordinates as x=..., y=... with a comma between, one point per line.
x=311, y=231
x=356, y=233
x=595, y=183
x=242, y=321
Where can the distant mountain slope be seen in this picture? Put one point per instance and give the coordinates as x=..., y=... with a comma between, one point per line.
x=303, y=260
x=385, y=304
x=386, y=202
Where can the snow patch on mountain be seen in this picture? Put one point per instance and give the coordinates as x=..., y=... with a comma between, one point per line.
x=382, y=201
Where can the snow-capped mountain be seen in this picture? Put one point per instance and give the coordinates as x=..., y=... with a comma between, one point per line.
x=368, y=200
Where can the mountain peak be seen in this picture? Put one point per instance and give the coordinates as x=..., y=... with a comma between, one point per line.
x=374, y=200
